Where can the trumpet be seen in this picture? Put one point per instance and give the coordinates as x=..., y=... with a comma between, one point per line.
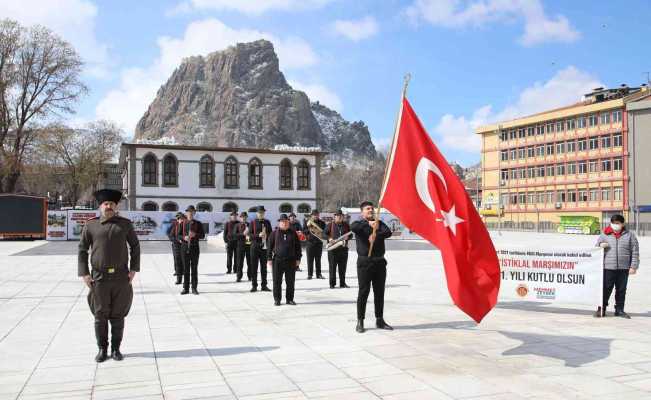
x=338, y=242
x=245, y=232
x=314, y=229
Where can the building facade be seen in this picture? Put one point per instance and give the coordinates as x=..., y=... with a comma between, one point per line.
x=171, y=177
x=639, y=123
x=569, y=161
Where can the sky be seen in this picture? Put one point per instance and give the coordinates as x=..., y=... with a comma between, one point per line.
x=471, y=61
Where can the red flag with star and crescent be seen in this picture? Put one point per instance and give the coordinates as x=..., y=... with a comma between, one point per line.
x=422, y=190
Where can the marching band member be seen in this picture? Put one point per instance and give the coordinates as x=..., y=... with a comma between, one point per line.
x=260, y=230
x=284, y=255
x=313, y=230
x=337, y=257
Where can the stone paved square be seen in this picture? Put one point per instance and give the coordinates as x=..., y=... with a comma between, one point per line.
x=228, y=343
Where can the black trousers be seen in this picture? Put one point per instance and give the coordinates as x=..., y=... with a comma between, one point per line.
x=110, y=300
x=371, y=271
x=337, y=261
x=178, y=258
x=190, y=266
x=258, y=259
x=243, y=251
x=288, y=268
x=314, y=251
x=231, y=249
x=618, y=279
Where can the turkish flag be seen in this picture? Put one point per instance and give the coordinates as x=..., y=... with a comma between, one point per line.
x=422, y=190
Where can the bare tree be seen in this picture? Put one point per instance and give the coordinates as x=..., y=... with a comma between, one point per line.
x=344, y=186
x=75, y=158
x=39, y=80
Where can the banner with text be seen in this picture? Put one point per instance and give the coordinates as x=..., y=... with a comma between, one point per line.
x=573, y=275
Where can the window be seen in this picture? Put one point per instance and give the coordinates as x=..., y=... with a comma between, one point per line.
x=286, y=175
x=592, y=120
x=617, y=164
x=513, y=173
x=504, y=199
x=594, y=143
x=550, y=128
x=549, y=197
x=504, y=155
x=605, y=118
x=503, y=136
x=513, y=198
x=550, y=170
x=303, y=175
x=303, y=208
x=560, y=126
x=550, y=149
x=150, y=170
x=540, y=130
x=605, y=165
x=522, y=198
x=513, y=154
x=571, y=168
x=580, y=122
x=170, y=171
x=605, y=141
x=583, y=167
x=541, y=171
x=583, y=195
x=571, y=146
x=532, y=198
x=593, y=166
x=286, y=208
x=605, y=194
x=231, y=173
x=570, y=124
x=504, y=174
x=170, y=206
x=618, y=193
x=204, y=207
x=617, y=116
x=560, y=169
x=594, y=195
x=232, y=207
x=571, y=196
x=561, y=196
x=582, y=144
x=560, y=147
x=512, y=134
x=255, y=174
x=531, y=131
x=149, y=206
x=617, y=140
x=206, y=172
x=530, y=151
x=540, y=150
x=521, y=153
x=521, y=133
x=531, y=172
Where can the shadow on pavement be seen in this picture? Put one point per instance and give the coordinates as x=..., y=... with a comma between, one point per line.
x=439, y=325
x=226, y=351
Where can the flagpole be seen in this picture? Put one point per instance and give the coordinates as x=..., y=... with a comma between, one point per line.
x=389, y=161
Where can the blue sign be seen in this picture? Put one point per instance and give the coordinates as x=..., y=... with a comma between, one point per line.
x=644, y=208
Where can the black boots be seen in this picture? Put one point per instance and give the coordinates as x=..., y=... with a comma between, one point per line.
x=360, y=326
x=117, y=331
x=179, y=280
x=194, y=291
x=622, y=314
x=381, y=324
x=101, y=355
x=116, y=355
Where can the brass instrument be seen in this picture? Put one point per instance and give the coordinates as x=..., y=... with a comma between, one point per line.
x=263, y=235
x=247, y=238
x=314, y=229
x=338, y=242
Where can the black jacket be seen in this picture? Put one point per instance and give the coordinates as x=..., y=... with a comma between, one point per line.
x=363, y=231
x=230, y=231
x=285, y=245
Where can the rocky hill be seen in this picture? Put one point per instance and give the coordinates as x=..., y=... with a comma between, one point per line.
x=238, y=97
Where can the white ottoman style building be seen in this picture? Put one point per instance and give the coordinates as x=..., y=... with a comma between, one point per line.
x=161, y=177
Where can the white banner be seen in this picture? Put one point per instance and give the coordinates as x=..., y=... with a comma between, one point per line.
x=76, y=221
x=573, y=275
x=57, y=221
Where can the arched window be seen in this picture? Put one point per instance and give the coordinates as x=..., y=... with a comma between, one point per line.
x=150, y=170
x=170, y=171
x=149, y=206
x=285, y=174
x=255, y=174
x=303, y=208
x=303, y=174
x=206, y=172
x=170, y=206
x=229, y=207
x=231, y=173
x=203, y=206
x=285, y=208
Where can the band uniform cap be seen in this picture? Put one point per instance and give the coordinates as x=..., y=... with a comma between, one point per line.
x=233, y=213
x=314, y=212
x=108, y=195
x=292, y=215
x=339, y=212
x=260, y=208
x=190, y=208
x=244, y=214
x=179, y=215
x=283, y=217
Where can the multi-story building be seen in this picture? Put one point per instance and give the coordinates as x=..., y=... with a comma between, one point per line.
x=573, y=160
x=171, y=177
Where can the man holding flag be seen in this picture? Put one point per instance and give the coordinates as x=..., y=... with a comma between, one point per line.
x=422, y=190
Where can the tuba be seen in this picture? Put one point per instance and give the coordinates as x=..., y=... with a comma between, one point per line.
x=314, y=229
x=338, y=242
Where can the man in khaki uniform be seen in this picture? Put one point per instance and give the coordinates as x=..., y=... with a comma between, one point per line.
x=112, y=270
